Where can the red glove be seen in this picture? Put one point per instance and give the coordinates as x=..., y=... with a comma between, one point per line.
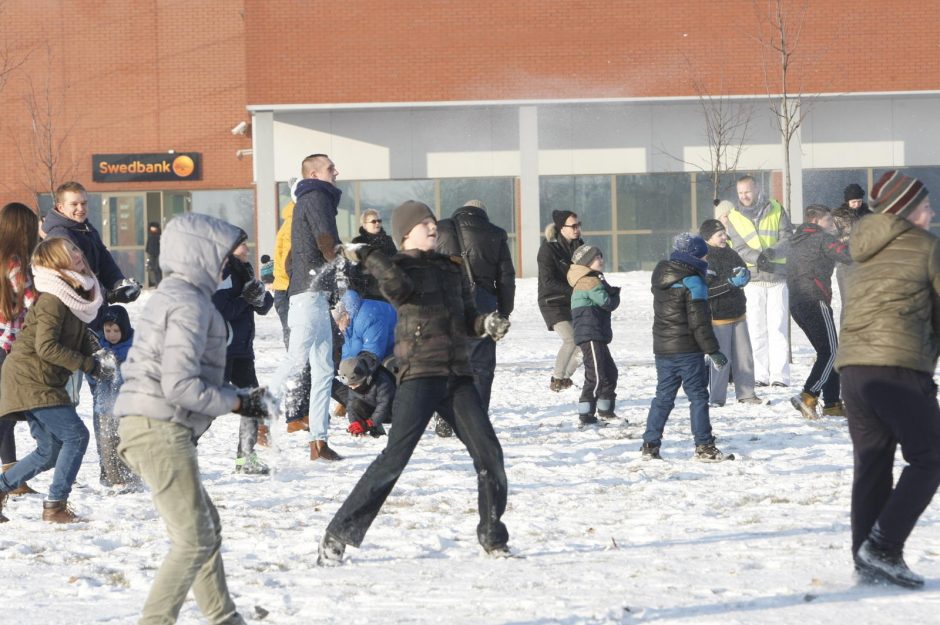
x=356, y=428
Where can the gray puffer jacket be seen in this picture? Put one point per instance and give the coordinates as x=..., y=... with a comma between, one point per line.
x=174, y=371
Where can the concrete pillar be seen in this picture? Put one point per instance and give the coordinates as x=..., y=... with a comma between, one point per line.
x=267, y=219
x=529, y=228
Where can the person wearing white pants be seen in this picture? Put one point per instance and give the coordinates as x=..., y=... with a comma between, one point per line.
x=767, y=313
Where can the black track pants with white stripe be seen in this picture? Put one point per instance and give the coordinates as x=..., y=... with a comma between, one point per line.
x=815, y=319
x=600, y=374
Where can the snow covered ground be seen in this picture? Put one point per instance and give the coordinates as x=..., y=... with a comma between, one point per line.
x=606, y=537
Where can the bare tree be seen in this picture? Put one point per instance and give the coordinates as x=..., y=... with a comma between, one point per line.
x=45, y=156
x=10, y=59
x=781, y=26
x=727, y=126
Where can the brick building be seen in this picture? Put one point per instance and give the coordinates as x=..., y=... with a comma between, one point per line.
x=529, y=105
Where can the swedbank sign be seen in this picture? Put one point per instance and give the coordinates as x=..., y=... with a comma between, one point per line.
x=146, y=167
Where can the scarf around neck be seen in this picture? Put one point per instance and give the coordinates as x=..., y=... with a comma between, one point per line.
x=49, y=281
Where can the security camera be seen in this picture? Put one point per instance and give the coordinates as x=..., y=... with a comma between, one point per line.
x=240, y=128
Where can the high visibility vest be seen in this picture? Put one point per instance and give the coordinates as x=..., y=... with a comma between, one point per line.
x=766, y=234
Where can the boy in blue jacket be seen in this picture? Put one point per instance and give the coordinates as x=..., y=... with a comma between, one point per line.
x=592, y=301
x=682, y=335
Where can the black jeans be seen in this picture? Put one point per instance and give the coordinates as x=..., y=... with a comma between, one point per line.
x=886, y=406
x=815, y=319
x=240, y=371
x=482, y=352
x=456, y=400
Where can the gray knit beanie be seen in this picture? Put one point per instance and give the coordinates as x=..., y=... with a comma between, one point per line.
x=407, y=216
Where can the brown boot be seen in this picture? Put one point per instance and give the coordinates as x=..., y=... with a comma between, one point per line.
x=300, y=425
x=22, y=489
x=3, y=498
x=59, y=512
x=319, y=450
x=262, y=440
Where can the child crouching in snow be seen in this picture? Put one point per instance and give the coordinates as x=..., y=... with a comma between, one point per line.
x=53, y=344
x=369, y=393
x=592, y=301
x=173, y=389
x=682, y=335
x=436, y=314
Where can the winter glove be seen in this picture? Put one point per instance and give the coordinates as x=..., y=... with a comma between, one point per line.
x=764, y=264
x=267, y=272
x=614, y=290
x=770, y=253
x=253, y=402
x=719, y=360
x=253, y=293
x=354, y=252
x=495, y=326
x=740, y=278
x=361, y=427
x=106, y=366
x=126, y=291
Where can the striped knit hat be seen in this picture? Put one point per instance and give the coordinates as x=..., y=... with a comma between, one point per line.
x=897, y=194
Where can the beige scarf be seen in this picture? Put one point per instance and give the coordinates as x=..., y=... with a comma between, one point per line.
x=50, y=281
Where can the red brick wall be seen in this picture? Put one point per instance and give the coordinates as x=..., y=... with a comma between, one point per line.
x=378, y=50
x=136, y=76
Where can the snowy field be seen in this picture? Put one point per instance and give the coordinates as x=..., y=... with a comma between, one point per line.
x=606, y=537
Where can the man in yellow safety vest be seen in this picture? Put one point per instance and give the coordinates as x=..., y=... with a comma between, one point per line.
x=760, y=233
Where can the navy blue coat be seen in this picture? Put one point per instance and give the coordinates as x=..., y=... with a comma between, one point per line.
x=84, y=235
x=238, y=313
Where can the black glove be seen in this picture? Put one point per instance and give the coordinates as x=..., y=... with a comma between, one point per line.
x=354, y=252
x=764, y=264
x=719, y=360
x=254, y=402
x=770, y=253
x=125, y=292
x=105, y=368
x=495, y=326
x=253, y=293
x=614, y=290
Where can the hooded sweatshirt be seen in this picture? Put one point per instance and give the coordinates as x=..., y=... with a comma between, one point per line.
x=174, y=371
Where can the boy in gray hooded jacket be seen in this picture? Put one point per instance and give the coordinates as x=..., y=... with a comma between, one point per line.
x=173, y=389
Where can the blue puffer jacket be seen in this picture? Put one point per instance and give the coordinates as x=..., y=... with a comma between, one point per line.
x=371, y=326
x=118, y=314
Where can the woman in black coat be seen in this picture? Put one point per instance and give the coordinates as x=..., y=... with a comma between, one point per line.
x=372, y=234
x=562, y=238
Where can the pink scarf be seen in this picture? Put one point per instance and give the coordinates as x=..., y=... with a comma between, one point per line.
x=50, y=281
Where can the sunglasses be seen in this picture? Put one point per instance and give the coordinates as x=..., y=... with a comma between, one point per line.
x=374, y=221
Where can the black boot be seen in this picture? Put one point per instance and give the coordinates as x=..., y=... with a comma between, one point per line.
x=3, y=498
x=330, y=551
x=605, y=409
x=875, y=562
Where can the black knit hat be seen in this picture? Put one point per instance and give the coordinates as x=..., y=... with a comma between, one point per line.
x=407, y=216
x=709, y=227
x=560, y=217
x=897, y=194
x=853, y=192
x=688, y=243
x=585, y=255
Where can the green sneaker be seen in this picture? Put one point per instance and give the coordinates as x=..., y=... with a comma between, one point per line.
x=251, y=465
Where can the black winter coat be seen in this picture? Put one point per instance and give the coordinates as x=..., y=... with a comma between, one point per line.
x=373, y=398
x=436, y=313
x=846, y=217
x=238, y=314
x=363, y=282
x=313, y=236
x=681, y=318
x=84, y=235
x=725, y=301
x=554, y=259
x=484, y=247
x=812, y=258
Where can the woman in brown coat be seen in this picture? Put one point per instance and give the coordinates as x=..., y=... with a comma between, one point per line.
x=53, y=344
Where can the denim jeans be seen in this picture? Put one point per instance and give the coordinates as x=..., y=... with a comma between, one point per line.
x=457, y=401
x=281, y=306
x=311, y=340
x=61, y=440
x=691, y=372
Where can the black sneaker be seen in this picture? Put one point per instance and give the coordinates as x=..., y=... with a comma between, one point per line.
x=607, y=415
x=330, y=552
x=650, y=452
x=779, y=384
x=587, y=419
x=710, y=453
x=557, y=384
x=874, y=563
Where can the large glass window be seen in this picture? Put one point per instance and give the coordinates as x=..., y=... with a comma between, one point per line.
x=497, y=194
x=826, y=186
x=654, y=202
x=705, y=193
x=588, y=196
x=236, y=206
x=638, y=252
x=385, y=195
